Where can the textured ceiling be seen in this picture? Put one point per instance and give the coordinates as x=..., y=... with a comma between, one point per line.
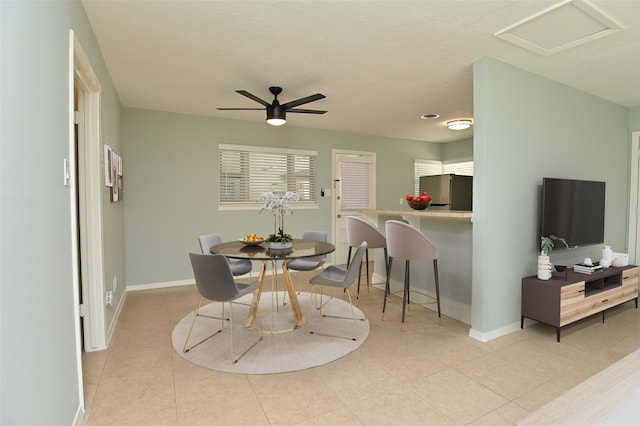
x=381, y=64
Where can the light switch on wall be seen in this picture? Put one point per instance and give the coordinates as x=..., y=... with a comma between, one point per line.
x=67, y=173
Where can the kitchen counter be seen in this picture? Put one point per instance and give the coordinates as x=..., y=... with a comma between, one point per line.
x=414, y=216
x=452, y=232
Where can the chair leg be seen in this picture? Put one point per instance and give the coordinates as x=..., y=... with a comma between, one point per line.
x=196, y=314
x=353, y=316
x=360, y=273
x=405, y=298
x=435, y=272
x=387, y=288
x=233, y=359
x=359, y=276
x=368, y=281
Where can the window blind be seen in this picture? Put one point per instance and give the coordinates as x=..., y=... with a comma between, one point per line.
x=424, y=168
x=432, y=167
x=246, y=172
x=354, y=185
x=464, y=168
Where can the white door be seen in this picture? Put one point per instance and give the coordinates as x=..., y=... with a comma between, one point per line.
x=88, y=215
x=354, y=188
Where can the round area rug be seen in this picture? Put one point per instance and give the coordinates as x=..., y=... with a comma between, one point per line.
x=278, y=352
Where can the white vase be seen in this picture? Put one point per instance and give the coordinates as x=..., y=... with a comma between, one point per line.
x=280, y=246
x=607, y=253
x=544, y=267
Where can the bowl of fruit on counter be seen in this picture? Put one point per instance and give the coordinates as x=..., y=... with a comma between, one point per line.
x=252, y=239
x=419, y=202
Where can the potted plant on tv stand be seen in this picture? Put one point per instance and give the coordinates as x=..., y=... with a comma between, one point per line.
x=544, y=263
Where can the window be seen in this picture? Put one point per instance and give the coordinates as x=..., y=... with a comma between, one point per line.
x=464, y=168
x=248, y=171
x=431, y=167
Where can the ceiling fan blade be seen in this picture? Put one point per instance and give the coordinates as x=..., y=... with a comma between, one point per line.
x=240, y=109
x=253, y=97
x=306, y=111
x=301, y=101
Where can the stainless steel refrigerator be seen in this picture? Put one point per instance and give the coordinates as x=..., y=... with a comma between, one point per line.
x=449, y=192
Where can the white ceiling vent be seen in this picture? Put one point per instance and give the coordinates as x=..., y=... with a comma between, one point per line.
x=565, y=25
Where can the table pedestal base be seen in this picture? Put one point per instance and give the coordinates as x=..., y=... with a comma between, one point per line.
x=295, y=311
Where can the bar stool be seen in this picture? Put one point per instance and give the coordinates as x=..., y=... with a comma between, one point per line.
x=407, y=242
x=358, y=231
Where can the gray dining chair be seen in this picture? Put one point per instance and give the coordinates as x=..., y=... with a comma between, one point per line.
x=238, y=266
x=359, y=230
x=305, y=264
x=407, y=242
x=336, y=277
x=215, y=282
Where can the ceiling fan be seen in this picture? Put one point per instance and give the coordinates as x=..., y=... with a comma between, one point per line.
x=276, y=113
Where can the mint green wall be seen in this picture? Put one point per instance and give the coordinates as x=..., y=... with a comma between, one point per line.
x=634, y=119
x=457, y=151
x=528, y=127
x=171, y=184
x=38, y=357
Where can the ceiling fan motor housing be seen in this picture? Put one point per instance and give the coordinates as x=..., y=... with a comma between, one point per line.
x=275, y=111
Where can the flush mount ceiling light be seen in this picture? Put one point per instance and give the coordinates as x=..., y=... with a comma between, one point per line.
x=459, y=124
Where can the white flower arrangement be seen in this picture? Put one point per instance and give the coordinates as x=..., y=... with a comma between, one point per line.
x=279, y=206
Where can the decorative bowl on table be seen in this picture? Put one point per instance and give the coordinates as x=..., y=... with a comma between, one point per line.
x=420, y=202
x=252, y=240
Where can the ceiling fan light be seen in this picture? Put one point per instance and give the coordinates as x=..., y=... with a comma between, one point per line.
x=459, y=124
x=276, y=115
x=276, y=121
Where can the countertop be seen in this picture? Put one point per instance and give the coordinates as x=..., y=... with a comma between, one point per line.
x=427, y=213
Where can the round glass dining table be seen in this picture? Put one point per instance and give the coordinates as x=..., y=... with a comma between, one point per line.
x=261, y=252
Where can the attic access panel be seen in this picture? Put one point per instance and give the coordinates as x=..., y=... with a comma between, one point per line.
x=565, y=25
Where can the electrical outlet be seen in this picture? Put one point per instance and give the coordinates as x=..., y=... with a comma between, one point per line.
x=109, y=298
x=115, y=283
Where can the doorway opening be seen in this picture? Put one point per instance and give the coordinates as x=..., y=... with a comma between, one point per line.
x=87, y=190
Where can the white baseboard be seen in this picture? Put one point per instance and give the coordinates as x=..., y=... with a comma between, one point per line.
x=79, y=418
x=165, y=284
x=494, y=334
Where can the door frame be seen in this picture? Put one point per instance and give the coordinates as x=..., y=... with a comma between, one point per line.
x=634, y=198
x=335, y=153
x=89, y=222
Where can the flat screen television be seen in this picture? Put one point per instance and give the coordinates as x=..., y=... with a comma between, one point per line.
x=573, y=210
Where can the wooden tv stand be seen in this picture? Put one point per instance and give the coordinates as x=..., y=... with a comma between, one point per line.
x=558, y=301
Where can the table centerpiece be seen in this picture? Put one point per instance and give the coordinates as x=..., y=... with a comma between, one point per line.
x=279, y=207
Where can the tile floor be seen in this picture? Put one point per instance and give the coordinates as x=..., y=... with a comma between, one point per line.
x=429, y=373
